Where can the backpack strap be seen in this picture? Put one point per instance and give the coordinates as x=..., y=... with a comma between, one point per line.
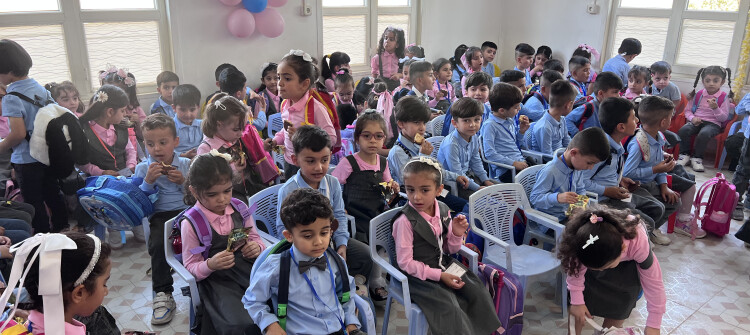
x=721, y=98
x=34, y=102
x=242, y=208
x=283, y=293
x=696, y=101
x=383, y=162
x=353, y=163
x=344, y=296
x=588, y=111
x=201, y=228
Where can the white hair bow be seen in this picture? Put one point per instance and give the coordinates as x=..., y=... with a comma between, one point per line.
x=296, y=52
x=216, y=153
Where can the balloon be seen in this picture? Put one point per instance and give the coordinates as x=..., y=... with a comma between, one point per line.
x=270, y=23
x=230, y=3
x=277, y=3
x=241, y=23
x=255, y=6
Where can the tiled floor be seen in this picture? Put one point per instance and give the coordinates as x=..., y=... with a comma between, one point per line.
x=707, y=285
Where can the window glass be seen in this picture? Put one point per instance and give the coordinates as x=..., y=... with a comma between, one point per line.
x=46, y=46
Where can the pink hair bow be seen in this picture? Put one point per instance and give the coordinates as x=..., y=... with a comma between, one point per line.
x=594, y=53
x=385, y=108
x=466, y=64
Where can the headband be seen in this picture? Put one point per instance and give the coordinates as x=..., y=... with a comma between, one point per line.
x=594, y=53
x=429, y=161
x=216, y=153
x=305, y=56
x=122, y=74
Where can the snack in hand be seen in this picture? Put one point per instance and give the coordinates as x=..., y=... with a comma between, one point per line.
x=166, y=168
x=582, y=203
x=418, y=139
x=287, y=124
x=237, y=238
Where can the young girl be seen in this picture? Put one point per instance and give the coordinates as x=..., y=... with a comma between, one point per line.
x=344, y=88
x=331, y=68
x=458, y=66
x=134, y=114
x=607, y=257
x=638, y=77
x=414, y=52
x=223, y=276
x=425, y=237
x=706, y=112
x=472, y=60
x=442, y=95
x=390, y=49
x=296, y=76
x=269, y=90
x=66, y=95
x=543, y=54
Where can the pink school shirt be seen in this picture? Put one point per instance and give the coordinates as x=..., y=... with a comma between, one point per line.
x=431, y=93
x=109, y=137
x=653, y=287
x=704, y=112
x=390, y=64
x=630, y=95
x=37, y=324
x=403, y=234
x=296, y=115
x=344, y=169
x=222, y=224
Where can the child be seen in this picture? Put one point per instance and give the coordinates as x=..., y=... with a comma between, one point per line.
x=344, y=86
x=217, y=73
x=134, y=114
x=405, y=86
x=232, y=82
x=413, y=51
x=459, y=152
x=741, y=177
x=347, y=116
x=647, y=165
x=661, y=74
x=556, y=65
x=538, y=102
x=308, y=221
x=637, y=81
x=543, y=54
x=66, y=95
x=472, y=60
x=422, y=79
x=458, y=66
x=222, y=271
x=618, y=120
x=442, y=94
x=186, y=100
x=609, y=263
x=590, y=53
x=425, y=236
x=515, y=78
x=607, y=85
x=629, y=49
x=489, y=50
x=561, y=180
x=524, y=57
x=269, y=88
x=706, y=113
x=384, y=65
x=550, y=132
x=478, y=88
x=501, y=137
x=166, y=82
x=580, y=69
x=164, y=171
x=332, y=67
x=296, y=75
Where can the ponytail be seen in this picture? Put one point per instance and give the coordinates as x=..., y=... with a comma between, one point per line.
x=325, y=70
x=695, y=83
x=729, y=78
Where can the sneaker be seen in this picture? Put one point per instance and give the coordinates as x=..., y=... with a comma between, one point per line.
x=689, y=228
x=697, y=164
x=140, y=236
x=114, y=239
x=738, y=213
x=164, y=307
x=379, y=296
x=683, y=160
x=659, y=238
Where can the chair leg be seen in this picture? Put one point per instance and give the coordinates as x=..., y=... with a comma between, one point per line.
x=564, y=292
x=417, y=324
x=720, y=164
x=386, y=315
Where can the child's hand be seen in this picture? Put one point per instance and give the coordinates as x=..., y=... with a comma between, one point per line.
x=290, y=130
x=696, y=120
x=190, y=153
x=341, y=250
x=664, y=166
x=274, y=329
x=251, y=249
x=393, y=185
x=5, y=252
x=488, y=183
x=451, y=280
x=616, y=192
x=579, y=313
x=523, y=124
x=460, y=225
x=652, y=331
x=260, y=102
x=463, y=181
x=221, y=261
x=269, y=144
x=426, y=148
x=397, y=76
x=154, y=171
x=668, y=195
x=110, y=173
x=712, y=104
x=520, y=165
x=240, y=163
x=176, y=177
x=567, y=197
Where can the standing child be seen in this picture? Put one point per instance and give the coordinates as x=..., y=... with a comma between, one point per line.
x=608, y=260
x=538, y=102
x=550, y=132
x=580, y=69
x=524, y=58
x=268, y=90
x=489, y=50
x=186, y=100
x=331, y=66
x=442, y=94
x=166, y=82
x=425, y=237
x=619, y=64
x=543, y=54
x=391, y=48
x=134, y=114
x=472, y=60
x=66, y=95
x=638, y=78
x=607, y=85
x=222, y=270
x=501, y=137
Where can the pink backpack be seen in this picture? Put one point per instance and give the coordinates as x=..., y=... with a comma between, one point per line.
x=718, y=209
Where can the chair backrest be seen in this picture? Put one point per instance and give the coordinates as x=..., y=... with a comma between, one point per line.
x=275, y=124
x=278, y=158
x=494, y=208
x=381, y=234
x=527, y=178
x=267, y=211
x=435, y=141
x=437, y=125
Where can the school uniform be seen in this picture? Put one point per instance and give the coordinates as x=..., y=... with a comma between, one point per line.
x=554, y=178
x=421, y=96
x=527, y=74
x=462, y=158
x=448, y=126
x=35, y=325
x=445, y=102
x=581, y=87
x=160, y=106
x=712, y=121
x=110, y=148
x=574, y=119
x=502, y=144
x=190, y=135
x=535, y=107
x=547, y=134
x=245, y=182
x=619, y=66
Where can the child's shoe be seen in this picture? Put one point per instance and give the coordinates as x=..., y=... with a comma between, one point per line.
x=697, y=164
x=114, y=239
x=659, y=238
x=738, y=213
x=683, y=160
x=164, y=307
x=140, y=236
x=689, y=228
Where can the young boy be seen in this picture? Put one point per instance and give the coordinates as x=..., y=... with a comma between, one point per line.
x=580, y=69
x=606, y=85
x=312, y=153
x=164, y=171
x=647, y=164
x=550, y=132
x=661, y=74
x=560, y=181
x=308, y=223
x=501, y=138
x=421, y=78
x=165, y=84
x=524, y=57
x=489, y=51
x=459, y=152
x=217, y=73
x=478, y=88
x=618, y=120
x=232, y=81
x=186, y=99
x=619, y=64
x=538, y=102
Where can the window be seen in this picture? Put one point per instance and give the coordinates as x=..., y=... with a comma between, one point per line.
x=689, y=34
x=75, y=39
x=355, y=26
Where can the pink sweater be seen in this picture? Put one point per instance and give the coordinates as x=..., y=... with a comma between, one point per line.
x=109, y=136
x=222, y=224
x=653, y=287
x=344, y=169
x=390, y=64
x=296, y=115
x=403, y=234
x=431, y=93
x=704, y=112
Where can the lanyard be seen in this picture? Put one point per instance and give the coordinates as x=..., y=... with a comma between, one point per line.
x=409, y=152
x=333, y=287
x=105, y=146
x=545, y=105
x=447, y=90
x=570, y=176
x=581, y=86
x=511, y=136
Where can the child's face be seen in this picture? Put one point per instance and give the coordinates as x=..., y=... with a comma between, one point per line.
x=582, y=162
x=489, y=54
x=186, y=114
x=407, y=79
x=389, y=42
x=290, y=85
x=424, y=82
x=508, y=113
x=540, y=59
x=409, y=129
x=115, y=116
x=467, y=126
x=69, y=100
x=312, y=240
x=712, y=83
x=160, y=144
x=520, y=83
x=372, y=138
x=216, y=198
x=524, y=62
x=636, y=84
x=582, y=73
x=476, y=61
x=632, y=124
x=445, y=73
x=95, y=298
x=271, y=81
x=165, y=90
x=610, y=93
x=229, y=130
x=421, y=190
x=5, y=78
x=661, y=80
x=666, y=122
x=313, y=165
x=345, y=93
x=479, y=93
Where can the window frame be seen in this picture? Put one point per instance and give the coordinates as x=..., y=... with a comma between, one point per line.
x=72, y=18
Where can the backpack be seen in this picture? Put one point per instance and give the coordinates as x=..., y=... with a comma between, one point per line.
x=325, y=99
x=722, y=200
x=57, y=139
x=476, y=243
x=588, y=111
x=116, y=202
x=582, y=100
x=507, y=295
x=536, y=94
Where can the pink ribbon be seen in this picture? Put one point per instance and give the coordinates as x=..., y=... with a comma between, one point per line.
x=385, y=108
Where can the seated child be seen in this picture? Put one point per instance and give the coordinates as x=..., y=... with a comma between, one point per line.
x=501, y=137
x=221, y=270
x=515, y=78
x=472, y=60
x=706, y=112
x=648, y=165
x=459, y=71
x=561, y=180
x=308, y=222
x=524, y=57
x=609, y=263
x=543, y=54
x=166, y=82
x=619, y=64
x=232, y=82
x=422, y=79
x=405, y=81
x=638, y=78
x=344, y=89
x=66, y=95
x=441, y=95
x=330, y=67
x=550, y=132
x=586, y=51
x=661, y=75
x=580, y=69
x=391, y=48
x=556, y=65
x=606, y=85
x=489, y=50
x=478, y=88
x=537, y=102
x=217, y=73
x=452, y=304
x=186, y=100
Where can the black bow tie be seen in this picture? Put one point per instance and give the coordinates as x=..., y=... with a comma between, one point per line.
x=319, y=263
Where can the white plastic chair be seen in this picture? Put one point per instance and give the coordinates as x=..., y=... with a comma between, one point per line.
x=494, y=208
x=267, y=211
x=381, y=235
x=436, y=141
x=275, y=124
x=436, y=126
x=511, y=168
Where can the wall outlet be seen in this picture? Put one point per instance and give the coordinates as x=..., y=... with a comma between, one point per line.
x=592, y=8
x=306, y=8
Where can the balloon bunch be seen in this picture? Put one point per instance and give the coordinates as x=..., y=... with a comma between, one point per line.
x=256, y=13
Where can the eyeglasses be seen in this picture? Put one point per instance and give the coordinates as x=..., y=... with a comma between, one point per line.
x=368, y=136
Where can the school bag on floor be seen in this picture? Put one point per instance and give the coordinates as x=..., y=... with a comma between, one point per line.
x=116, y=202
x=718, y=209
x=507, y=296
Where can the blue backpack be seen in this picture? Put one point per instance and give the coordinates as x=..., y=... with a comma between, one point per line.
x=116, y=202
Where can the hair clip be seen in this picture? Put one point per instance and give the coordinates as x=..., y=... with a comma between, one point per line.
x=595, y=219
x=218, y=104
x=101, y=96
x=305, y=56
x=590, y=241
x=216, y=153
x=590, y=50
x=129, y=82
x=341, y=72
x=429, y=161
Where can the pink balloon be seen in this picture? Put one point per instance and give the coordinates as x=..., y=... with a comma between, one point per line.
x=277, y=3
x=270, y=23
x=230, y=3
x=241, y=23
